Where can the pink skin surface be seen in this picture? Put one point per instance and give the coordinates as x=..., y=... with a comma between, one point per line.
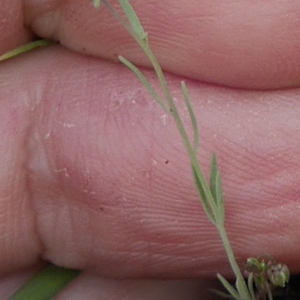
x=94, y=174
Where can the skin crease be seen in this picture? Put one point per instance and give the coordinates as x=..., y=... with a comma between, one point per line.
x=93, y=173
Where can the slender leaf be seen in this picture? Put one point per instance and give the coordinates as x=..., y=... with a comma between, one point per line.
x=25, y=48
x=233, y=292
x=188, y=103
x=242, y=288
x=144, y=81
x=216, y=189
x=219, y=192
x=213, y=176
x=46, y=284
x=219, y=200
x=250, y=286
x=133, y=20
x=204, y=200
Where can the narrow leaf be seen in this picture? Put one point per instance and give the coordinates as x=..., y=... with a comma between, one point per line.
x=144, y=81
x=46, y=284
x=203, y=197
x=213, y=176
x=216, y=189
x=233, y=292
x=219, y=199
x=242, y=289
x=250, y=286
x=133, y=20
x=219, y=191
x=188, y=103
x=25, y=48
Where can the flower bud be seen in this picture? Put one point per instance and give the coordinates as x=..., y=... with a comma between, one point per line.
x=255, y=266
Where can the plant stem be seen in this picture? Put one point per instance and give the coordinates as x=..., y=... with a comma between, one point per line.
x=174, y=111
x=25, y=48
x=45, y=284
x=214, y=208
x=240, y=281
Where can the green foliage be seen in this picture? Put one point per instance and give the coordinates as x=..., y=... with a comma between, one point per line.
x=25, y=48
x=211, y=196
x=46, y=284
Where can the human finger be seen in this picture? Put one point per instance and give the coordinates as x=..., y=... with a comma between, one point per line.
x=105, y=183
x=244, y=44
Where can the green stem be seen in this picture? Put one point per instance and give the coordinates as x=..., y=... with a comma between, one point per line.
x=242, y=287
x=46, y=284
x=173, y=109
x=213, y=207
x=25, y=48
x=240, y=281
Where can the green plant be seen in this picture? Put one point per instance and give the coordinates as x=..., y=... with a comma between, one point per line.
x=264, y=273
x=211, y=195
x=25, y=48
x=45, y=284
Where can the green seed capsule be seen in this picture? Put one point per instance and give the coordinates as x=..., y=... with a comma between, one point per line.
x=278, y=274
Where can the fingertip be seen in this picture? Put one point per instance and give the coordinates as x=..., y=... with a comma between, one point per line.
x=242, y=45
x=13, y=32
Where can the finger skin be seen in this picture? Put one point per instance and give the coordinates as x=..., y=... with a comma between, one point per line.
x=245, y=44
x=90, y=286
x=147, y=224
x=13, y=33
x=9, y=284
x=19, y=243
x=108, y=182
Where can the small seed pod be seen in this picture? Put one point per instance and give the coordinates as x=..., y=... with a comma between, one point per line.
x=278, y=274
